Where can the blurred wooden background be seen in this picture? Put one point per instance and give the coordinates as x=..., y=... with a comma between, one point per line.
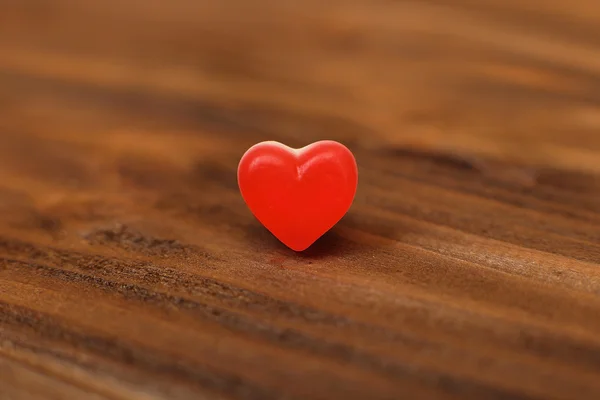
x=468, y=267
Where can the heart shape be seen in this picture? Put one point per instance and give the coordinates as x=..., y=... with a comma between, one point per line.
x=298, y=194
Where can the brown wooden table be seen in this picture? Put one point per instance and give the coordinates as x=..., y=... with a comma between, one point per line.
x=468, y=266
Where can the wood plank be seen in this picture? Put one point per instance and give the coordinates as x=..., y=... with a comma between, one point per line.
x=468, y=266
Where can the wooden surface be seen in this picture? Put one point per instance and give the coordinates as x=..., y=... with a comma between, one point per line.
x=467, y=268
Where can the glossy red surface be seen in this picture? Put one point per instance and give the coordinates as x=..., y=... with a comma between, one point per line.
x=298, y=194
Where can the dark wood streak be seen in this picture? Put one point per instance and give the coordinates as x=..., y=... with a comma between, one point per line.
x=248, y=122
x=130, y=355
x=467, y=268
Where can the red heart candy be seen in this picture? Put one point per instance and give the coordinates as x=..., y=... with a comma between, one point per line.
x=298, y=194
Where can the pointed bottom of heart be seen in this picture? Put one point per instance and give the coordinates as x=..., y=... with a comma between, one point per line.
x=295, y=243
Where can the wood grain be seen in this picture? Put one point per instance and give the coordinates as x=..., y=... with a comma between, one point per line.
x=467, y=268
